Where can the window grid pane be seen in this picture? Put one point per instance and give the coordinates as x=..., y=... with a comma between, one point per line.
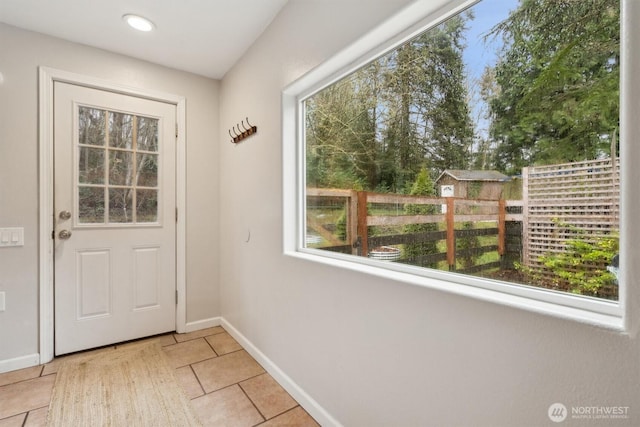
x=131, y=193
x=91, y=203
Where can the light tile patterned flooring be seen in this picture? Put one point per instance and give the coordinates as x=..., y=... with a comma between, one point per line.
x=227, y=387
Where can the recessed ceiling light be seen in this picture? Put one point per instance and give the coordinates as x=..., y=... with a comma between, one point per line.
x=138, y=22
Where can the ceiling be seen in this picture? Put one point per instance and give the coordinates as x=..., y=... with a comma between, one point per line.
x=204, y=37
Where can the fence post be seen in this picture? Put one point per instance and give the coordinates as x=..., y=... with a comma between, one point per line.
x=352, y=221
x=451, y=234
x=513, y=245
x=501, y=226
x=362, y=223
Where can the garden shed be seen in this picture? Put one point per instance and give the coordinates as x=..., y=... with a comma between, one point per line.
x=471, y=184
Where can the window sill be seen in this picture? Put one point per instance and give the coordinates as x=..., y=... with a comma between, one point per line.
x=585, y=310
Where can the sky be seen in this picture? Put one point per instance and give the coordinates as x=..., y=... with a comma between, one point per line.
x=480, y=52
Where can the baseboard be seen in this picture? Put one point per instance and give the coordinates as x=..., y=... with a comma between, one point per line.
x=34, y=359
x=306, y=401
x=19, y=362
x=202, y=324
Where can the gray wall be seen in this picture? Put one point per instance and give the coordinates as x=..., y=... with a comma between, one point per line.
x=373, y=351
x=21, y=52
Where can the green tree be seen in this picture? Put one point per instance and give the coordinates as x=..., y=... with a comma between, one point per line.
x=425, y=97
x=339, y=136
x=469, y=244
x=581, y=268
x=558, y=79
x=403, y=153
x=484, y=144
x=377, y=127
x=422, y=186
x=446, y=112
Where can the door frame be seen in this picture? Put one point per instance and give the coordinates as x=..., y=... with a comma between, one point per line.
x=47, y=77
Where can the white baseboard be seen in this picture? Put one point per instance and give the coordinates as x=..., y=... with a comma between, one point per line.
x=34, y=359
x=19, y=362
x=306, y=401
x=202, y=324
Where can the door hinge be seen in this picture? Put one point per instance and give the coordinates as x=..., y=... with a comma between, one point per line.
x=176, y=214
x=176, y=131
x=176, y=297
x=53, y=234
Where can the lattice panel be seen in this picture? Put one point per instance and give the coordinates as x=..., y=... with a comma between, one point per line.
x=568, y=201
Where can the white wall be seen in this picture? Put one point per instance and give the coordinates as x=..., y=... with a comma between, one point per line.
x=372, y=351
x=21, y=52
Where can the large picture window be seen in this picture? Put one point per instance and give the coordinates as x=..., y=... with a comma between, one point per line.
x=484, y=149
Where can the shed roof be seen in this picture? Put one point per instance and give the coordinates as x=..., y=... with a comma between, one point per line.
x=465, y=175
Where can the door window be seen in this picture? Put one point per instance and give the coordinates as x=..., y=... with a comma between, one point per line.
x=117, y=168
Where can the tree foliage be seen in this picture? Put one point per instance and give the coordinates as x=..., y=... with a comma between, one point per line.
x=422, y=186
x=573, y=268
x=338, y=138
x=377, y=128
x=557, y=81
x=552, y=96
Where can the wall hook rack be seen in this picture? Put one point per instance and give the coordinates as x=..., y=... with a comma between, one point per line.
x=242, y=132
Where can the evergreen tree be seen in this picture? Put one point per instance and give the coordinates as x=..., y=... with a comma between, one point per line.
x=377, y=127
x=403, y=151
x=422, y=186
x=558, y=79
x=445, y=111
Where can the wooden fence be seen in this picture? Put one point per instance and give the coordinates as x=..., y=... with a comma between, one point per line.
x=560, y=203
x=367, y=211
x=568, y=201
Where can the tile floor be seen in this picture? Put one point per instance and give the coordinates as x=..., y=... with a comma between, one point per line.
x=227, y=387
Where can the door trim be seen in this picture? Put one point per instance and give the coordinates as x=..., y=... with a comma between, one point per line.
x=47, y=76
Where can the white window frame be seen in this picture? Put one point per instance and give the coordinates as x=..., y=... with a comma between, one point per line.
x=403, y=26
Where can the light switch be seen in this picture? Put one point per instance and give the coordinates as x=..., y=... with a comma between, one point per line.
x=2, y=303
x=13, y=236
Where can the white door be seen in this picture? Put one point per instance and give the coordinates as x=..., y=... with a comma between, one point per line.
x=115, y=225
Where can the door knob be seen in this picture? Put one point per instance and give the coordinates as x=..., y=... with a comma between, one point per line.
x=65, y=215
x=64, y=234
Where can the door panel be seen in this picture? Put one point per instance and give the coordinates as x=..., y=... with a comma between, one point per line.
x=146, y=281
x=93, y=280
x=114, y=204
